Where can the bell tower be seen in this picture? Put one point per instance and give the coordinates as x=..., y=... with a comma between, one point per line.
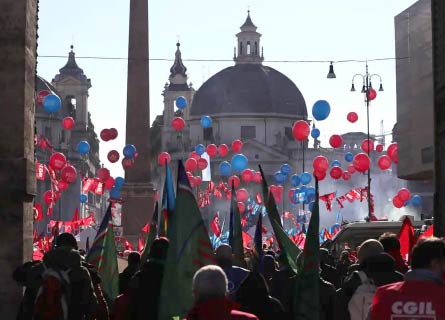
x=248, y=44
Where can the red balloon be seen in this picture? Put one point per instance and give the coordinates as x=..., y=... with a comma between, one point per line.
x=198, y=180
x=242, y=194
x=397, y=202
x=48, y=197
x=109, y=184
x=247, y=175
x=113, y=133
x=391, y=148
x=351, y=169
x=379, y=147
x=372, y=94
x=212, y=150
x=235, y=180
x=103, y=174
x=257, y=178
x=194, y=155
x=321, y=164
x=352, y=117
x=41, y=95
x=280, y=189
x=191, y=164
x=320, y=175
x=404, y=194
x=113, y=156
x=163, y=158
x=62, y=185
x=202, y=163
x=361, y=162
x=290, y=194
x=56, y=196
x=237, y=145
x=384, y=162
x=69, y=174
x=105, y=135
x=301, y=130
x=335, y=141
x=178, y=123
x=241, y=207
x=336, y=172
x=68, y=123
x=127, y=163
x=346, y=175
x=223, y=150
x=395, y=156
x=364, y=145
x=57, y=160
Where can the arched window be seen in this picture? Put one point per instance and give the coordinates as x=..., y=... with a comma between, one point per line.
x=248, y=48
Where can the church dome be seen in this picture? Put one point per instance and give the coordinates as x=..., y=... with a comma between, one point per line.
x=248, y=89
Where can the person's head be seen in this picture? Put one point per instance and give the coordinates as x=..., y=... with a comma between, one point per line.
x=224, y=255
x=66, y=240
x=344, y=256
x=369, y=248
x=324, y=255
x=134, y=258
x=429, y=254
x=268, y=265
x=209, y=282
x=390, y=242
x=159, y=249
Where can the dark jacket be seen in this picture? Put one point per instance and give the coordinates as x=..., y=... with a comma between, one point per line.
x=218, y=309
x=282, y=285
x=253, y=296
x=380, y=268
x=125, y=277
x=327, y=300
x=145, y=288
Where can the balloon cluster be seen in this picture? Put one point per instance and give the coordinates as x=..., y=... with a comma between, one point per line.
x=404, y=198
x=108, y=134
x=115, y=190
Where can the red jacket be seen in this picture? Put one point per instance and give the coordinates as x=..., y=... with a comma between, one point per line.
x=218, y=309
x=420, y=300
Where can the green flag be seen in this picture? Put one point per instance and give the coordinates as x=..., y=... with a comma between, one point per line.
x=306, y=299
x=236, y=231
x=151, y=235
x=108, y=269
x=286, y=245
x=189, y=249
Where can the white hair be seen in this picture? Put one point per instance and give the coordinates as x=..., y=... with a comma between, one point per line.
x=209, y=281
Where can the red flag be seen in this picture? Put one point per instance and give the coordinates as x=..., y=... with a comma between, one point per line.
x=75, y=215
x=327, y=235
x=140, y=244
x=215, y=225
x=40, y=171
x=68, y=226
x=407, y=238
x=145, y=228
x=428, y=233
x=38, y=214
x=128, y=245
x=87, y=185
x=247, y=239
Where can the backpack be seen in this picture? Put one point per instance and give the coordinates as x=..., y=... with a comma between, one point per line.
x=53, y=295
x=361, y=300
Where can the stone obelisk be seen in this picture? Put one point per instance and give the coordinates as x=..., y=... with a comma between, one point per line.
x=18, y=22
x=138, y=192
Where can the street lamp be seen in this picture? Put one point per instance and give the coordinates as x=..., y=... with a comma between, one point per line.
x=369, y=94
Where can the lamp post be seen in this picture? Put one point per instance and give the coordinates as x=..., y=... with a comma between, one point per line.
x=369, y=94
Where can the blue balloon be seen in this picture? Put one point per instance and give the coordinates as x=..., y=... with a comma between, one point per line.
x=206, y=122
x=181, y=103
x=349, y=156
x=315, y=133
x=279, y=177
x=239, y=162
x=303, y=189
x=335, y=163
x=129, y=151
x=305, y=178
x=115, y=194
x=83, y=198
x=51, y=103
x=225, y=168
x=310, y=191
x=407, y=203
x=285, y=169
x=321, y=110
x=416, y=201
x=295, y=180
x=83, y=147
x=119, y=182
x=200, y=149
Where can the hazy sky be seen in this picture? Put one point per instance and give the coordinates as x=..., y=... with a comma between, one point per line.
x=292, y=30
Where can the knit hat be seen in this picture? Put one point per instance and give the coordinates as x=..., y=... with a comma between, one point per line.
x=369, y=248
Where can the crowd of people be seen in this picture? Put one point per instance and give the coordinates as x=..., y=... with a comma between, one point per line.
x=373, y=283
